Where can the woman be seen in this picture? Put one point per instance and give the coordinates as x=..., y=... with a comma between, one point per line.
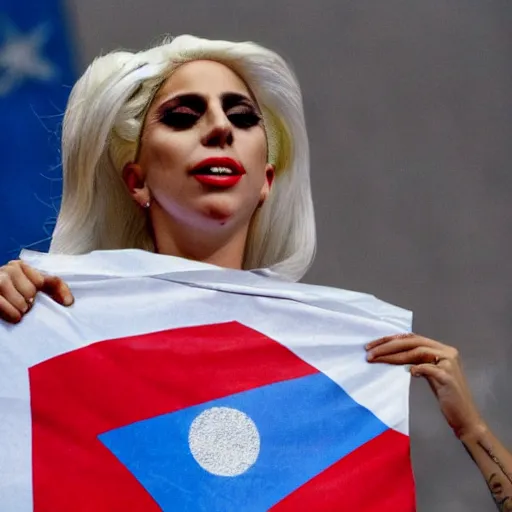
x=198, y=149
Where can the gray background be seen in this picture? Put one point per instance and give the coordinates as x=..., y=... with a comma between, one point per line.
x=409, y=110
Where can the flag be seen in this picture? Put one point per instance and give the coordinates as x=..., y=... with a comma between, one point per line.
x=36, y=75
x=177, y=385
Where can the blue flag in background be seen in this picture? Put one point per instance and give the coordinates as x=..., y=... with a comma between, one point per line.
x=36, y=76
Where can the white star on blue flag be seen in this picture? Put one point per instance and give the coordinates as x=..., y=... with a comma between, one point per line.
x=21, y=57
x=36, y=76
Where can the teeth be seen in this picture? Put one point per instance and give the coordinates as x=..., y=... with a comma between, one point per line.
x=221, y=170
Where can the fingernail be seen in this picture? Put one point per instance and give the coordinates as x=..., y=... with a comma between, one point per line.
x=369, y=356
x=68, y=300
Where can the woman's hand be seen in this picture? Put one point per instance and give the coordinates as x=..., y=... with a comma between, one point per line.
x=440, y=365
x=19, y=284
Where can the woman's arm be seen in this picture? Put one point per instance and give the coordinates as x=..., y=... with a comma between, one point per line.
x=495, y=463
x=440, y=365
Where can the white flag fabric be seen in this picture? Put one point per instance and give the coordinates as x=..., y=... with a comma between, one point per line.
x=177, y=385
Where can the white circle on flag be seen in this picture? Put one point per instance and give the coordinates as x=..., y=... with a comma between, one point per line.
x=224, y=441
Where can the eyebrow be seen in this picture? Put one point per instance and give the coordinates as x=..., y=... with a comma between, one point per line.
x=228, y=99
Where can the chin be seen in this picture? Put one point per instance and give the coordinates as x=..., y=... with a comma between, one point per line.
x=220, y=216
x=227, y=211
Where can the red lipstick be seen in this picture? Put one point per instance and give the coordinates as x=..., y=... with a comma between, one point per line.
x=220, y=172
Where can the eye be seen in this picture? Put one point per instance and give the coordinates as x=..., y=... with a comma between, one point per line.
x=180, y=118
x=243, y=117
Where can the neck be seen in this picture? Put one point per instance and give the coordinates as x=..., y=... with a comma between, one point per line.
x=215, y=244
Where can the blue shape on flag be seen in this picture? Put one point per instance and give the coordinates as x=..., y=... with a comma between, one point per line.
x=36, y=75
x=305, y=425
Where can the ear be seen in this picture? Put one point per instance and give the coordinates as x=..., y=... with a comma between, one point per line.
x=134, y=177
x=269, y=179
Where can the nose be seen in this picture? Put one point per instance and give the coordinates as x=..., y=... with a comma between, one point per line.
x=220, y=131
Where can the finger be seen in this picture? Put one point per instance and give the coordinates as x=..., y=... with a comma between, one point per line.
x=385, y=339
x=11, y=294
x=53, y=286
x=430, y=371
x=395, y=345
x=34, y=275
x=58, y=290
x=418, y=355
x=23, y=284
x=436, y=376
x=8, y=312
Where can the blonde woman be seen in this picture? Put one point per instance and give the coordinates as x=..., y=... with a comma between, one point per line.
x=198, y=149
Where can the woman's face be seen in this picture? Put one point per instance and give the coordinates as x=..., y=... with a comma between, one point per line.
x=203, y=151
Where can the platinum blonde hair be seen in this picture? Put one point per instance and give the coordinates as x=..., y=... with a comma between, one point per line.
x=101, y=134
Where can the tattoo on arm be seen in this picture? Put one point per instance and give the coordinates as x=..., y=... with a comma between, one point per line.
x=503, y=502
x=499, y=483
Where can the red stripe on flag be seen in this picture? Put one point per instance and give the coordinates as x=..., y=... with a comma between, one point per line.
x=376, y=476
x=109, y=384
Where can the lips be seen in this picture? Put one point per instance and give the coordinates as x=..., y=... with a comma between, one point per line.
x=220, y=172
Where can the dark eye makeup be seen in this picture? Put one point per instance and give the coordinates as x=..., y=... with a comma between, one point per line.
x=243, y=116
x=179, y=118
x=184, y=111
